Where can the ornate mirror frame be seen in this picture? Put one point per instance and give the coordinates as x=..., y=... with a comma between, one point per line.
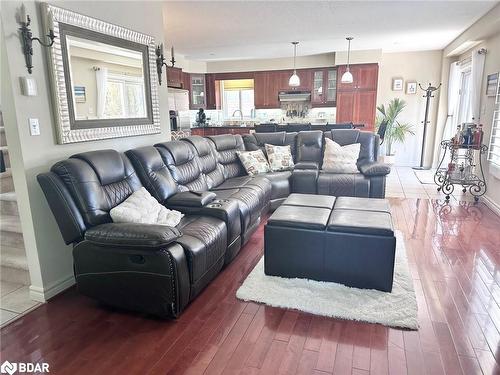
x=90, y=130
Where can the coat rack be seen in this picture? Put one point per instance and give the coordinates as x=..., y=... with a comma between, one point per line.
x=428, y=94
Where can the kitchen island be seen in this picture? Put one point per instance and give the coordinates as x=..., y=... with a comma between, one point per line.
x=225, y=129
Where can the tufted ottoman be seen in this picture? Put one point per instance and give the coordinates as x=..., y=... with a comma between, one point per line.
x=345, y=240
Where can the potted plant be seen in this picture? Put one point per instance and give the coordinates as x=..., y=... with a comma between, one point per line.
x=396, y=131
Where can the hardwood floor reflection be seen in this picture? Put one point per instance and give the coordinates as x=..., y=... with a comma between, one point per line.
x=454, y=255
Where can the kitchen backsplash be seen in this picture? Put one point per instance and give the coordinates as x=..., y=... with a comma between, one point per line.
x=314, y=115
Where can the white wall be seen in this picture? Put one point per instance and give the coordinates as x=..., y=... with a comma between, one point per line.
x=423, y=67
x=50, y=260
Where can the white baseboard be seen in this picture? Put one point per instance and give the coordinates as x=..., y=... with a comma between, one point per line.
x=43, y=294
x=491, y=205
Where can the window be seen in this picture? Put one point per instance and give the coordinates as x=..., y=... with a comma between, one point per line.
x=464, y=107
x=494, y=151
x=124, y=97
x=238, y=95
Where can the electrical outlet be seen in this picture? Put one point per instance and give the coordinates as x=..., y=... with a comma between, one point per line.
x=34, y=126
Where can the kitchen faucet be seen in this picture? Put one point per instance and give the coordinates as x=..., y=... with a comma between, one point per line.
x=241, y=114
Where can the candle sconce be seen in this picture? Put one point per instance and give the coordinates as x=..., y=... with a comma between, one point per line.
x=27, y=38
x=160, y=61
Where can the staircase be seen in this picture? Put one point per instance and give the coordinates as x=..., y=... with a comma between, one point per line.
x=13, y=262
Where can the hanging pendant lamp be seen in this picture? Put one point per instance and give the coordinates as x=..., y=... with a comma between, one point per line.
x=347, y=76
x=294, y=80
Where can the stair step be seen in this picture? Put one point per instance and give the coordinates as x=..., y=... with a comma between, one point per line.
x=3, y=139
x=10, y=223
x=15, y=275
x=8, y=204
x=12, y=239
x=17, y=261
x=6, y=158
x=6, y=182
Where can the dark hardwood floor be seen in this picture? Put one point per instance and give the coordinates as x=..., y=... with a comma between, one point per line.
x=454, y=254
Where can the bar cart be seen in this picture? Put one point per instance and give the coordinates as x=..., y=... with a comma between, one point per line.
x=464, y=168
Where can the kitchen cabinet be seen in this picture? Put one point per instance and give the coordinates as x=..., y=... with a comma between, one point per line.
x=174, y=77
x=356, y=101
x=197, y=91
x=212, y=93
x=324, y=87
x=218, y=130
x=268, y=84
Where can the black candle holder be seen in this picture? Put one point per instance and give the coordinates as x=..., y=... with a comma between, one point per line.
x=160, y=61
x=27, y=40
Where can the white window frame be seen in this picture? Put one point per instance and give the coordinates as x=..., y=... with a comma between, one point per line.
x=464, y=112
x=494, y=156
x=123, y=79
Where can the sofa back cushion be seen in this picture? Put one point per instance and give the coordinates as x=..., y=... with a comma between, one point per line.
x=369, y=143
x=258, y=141
x=208, y=160
x=153, y=172
x=183, y=163
x=310, y=146
x=226, y=147
x=97, y=182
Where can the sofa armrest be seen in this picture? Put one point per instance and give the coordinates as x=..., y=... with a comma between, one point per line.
x=191, y=199
x=131, y=235
x=375, y=169
x=306, y=165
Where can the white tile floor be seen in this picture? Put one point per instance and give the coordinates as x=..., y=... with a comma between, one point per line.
x=15, y=301
x=402, y=183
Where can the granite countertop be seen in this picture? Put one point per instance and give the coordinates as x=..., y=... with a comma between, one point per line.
x=223, y=127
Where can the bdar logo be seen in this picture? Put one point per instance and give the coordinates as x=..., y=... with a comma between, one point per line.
x=8, y=368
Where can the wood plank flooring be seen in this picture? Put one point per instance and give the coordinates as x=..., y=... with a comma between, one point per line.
x=454, y=255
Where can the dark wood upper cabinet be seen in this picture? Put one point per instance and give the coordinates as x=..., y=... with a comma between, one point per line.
x=210, y=94
x=357, y=101
x=324, y=87
x=197, y=91
x=175, y=78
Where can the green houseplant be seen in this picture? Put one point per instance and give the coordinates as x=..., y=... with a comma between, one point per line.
x=396, y=131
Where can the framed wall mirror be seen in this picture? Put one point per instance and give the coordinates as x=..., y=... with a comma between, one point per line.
x=101, y=78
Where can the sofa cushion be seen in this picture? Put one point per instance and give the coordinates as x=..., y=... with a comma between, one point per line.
x=226, y=146
x=280, y=184
x=279, y=157
x=208, y=160
x=343, y=184
x=309, y=145
x=254, y=162
x=340, y=159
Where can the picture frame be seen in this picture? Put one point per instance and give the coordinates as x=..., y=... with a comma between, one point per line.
x=72, y=128
x=397, y=84
x=491, y=84
x=411, y=87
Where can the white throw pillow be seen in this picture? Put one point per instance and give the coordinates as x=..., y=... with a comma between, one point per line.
x=280, y=157
x=254, y=162
x=142, y=208
x=338, y=159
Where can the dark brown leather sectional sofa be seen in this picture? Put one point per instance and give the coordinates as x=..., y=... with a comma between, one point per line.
x=157, y=269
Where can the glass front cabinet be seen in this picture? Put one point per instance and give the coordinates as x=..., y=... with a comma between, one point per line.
x=324, y=88
x=198, y=91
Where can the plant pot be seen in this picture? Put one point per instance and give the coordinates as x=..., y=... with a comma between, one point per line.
x=389, y=159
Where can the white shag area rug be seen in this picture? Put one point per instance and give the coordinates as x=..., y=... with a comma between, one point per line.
x=395, y=309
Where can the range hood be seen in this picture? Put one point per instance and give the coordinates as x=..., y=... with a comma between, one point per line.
x=294, y=96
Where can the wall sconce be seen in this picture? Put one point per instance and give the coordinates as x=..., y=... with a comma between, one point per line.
x=160, y=60
x=27, y=37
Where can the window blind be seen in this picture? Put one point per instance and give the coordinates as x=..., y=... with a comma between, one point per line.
x=494, y=151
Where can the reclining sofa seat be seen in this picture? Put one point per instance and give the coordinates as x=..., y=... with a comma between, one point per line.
x=149, y=268
x=192, y=173
x=370, y=182
x=280, y=181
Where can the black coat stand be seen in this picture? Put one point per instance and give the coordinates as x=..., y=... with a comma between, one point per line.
x=428, y=95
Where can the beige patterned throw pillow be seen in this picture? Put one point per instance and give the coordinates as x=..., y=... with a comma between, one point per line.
x=254, y=162
x=280, y=157
x=338, y=159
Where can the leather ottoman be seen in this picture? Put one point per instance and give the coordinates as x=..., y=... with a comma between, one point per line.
x=350, y=241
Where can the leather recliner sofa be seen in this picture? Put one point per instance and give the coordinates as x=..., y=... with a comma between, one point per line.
x=158, y=269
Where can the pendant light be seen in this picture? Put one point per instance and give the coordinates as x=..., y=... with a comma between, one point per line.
x=294, y=80
x=347, y=76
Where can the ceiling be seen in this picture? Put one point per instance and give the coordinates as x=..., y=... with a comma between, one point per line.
x=211, y=31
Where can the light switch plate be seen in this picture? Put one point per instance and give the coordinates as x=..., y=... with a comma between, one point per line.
x=34, y=126
x=28, y=86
